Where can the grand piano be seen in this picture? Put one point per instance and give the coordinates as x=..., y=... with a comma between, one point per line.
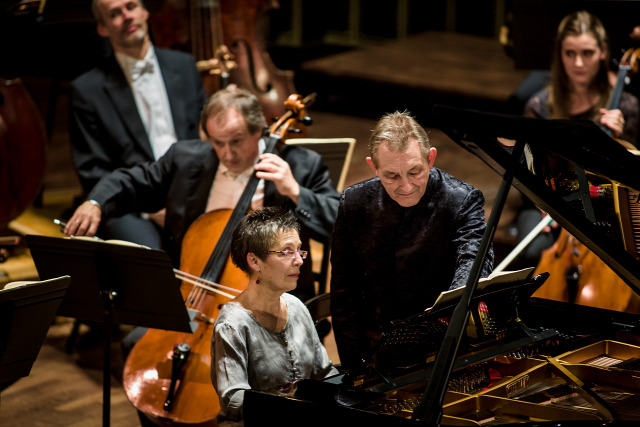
x=494, y=354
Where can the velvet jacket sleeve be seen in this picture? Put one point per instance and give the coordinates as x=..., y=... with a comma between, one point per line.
x=346, y=293
x=470, y=227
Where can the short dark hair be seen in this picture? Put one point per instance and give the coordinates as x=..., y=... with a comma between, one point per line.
x=242, y=100
x=395, y=130
x=257, y=232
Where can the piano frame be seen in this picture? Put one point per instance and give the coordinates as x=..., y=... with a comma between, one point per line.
x=586, y=147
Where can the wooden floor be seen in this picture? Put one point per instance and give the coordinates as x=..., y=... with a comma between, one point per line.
x=457, y=65
x=65, y=389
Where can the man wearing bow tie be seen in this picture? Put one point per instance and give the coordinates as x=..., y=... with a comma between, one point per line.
x=131, y=108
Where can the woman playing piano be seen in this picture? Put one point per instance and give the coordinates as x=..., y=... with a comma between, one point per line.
x=265, y=339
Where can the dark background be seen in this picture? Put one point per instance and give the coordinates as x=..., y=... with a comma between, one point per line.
x=62, y=41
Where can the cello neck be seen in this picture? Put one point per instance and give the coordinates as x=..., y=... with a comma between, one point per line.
x=616, y=93
x=627, y=68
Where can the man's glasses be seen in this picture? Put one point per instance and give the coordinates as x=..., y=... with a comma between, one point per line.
x=290, y=254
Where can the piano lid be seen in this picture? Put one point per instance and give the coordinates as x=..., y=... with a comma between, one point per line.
x=582, y=143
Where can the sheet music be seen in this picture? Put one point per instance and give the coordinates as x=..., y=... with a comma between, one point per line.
x=18, y=284
x=110, y=241
x=447, y=297
x=26, y=283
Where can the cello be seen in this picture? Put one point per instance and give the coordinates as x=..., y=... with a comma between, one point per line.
x=167, y=373
x=242, y=33
x=577, y=275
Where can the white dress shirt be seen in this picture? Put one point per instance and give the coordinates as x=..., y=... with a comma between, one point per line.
x=145, y=78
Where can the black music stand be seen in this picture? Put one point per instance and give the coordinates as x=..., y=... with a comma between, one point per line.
x=26, y=312
x=113, y=283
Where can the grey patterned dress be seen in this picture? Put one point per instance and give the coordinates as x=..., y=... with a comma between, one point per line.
x=246, y=355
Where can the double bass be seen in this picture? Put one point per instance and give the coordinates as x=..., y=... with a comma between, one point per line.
x=22, y=149
x=226, y=38
x=22, y=156
x=167, y=373
x=243, y=33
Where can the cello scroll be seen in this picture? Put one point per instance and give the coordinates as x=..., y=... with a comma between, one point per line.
x=295, y=120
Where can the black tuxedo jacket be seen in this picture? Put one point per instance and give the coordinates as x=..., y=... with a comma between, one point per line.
x=106, y=130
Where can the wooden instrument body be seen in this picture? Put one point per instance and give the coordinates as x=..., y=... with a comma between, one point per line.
x=577, y=275
x=148, y=369
x=243, y=34
x=227, y=39
x=22, y=150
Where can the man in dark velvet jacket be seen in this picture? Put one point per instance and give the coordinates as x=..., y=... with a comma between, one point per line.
x=195, y=177
x=400, y=238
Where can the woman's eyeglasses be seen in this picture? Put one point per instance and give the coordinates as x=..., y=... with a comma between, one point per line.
x=290, y=254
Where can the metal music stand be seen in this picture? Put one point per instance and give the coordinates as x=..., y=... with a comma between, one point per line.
x=113, y=283
x=26, y=312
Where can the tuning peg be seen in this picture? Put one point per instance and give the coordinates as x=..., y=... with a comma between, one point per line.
x=306, y=120
x=294, y=130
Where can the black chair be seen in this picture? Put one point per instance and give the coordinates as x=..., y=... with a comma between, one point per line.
x=320, y=309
